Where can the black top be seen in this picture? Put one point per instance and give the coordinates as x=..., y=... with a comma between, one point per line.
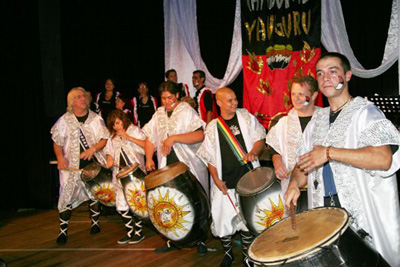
x=106, y=106
x=83, y=163
x=144, y=111
x=232, y=170
x=208, y=101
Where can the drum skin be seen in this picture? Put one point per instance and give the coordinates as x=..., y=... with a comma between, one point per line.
x=178, y=205
x=322, y=238
x=261, y=199
x=132, y=181
x=101, y=185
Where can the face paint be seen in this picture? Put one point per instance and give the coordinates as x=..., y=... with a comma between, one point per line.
x=307, y=101
x=340, y=84
x=173, y=104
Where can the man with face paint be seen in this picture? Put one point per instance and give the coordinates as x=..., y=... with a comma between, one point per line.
x=175, y=132
x=204, y=98
x=350, y=153
x=285, y=136
x=226, y=168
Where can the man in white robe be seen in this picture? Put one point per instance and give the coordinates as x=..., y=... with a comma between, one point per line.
x=225, y=220
x=79, y=135
x=351, y=160
x=285, y=136
x=175, y=132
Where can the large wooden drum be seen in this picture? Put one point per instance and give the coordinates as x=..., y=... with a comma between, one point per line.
x=321, y=238
x=132, y=180
x=99, y=182
x=177, y=204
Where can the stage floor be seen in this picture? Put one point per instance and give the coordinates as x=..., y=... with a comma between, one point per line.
x=27, y=238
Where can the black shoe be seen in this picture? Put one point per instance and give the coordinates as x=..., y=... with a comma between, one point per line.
x=95, y=229
x=136, y=239
x=201, y=249
x=124, y=240
x=227, y=261
x=62, y=239
x=166, y=248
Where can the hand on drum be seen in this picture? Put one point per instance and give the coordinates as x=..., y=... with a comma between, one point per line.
x=150, y=166
x=62, y=163
x=88, y=154
x=314, y=158
x=250, y=157
x=292, y=194
x=167, y=145
x=281, y=171
x=221, y=186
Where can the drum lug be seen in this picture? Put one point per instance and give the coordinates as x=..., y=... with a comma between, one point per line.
x=336, y=251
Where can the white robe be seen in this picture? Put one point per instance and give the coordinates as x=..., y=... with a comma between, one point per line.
x=370, y=197
x=285, y=138
x=184, y=119
x=65, y=133
x=224, y=218
x=133, y=152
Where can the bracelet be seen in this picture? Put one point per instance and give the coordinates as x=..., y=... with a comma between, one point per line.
x=327, y=153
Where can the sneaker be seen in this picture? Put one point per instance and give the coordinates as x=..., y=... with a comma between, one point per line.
x=124, y=240
x=136, y=239
x=201, y=249
x=62, y=239
x=95, y=230
x=168, y=247
x=227, y=261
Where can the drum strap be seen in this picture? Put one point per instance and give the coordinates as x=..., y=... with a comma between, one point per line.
x=125, y=156
x=231, y=140
x=84, y=143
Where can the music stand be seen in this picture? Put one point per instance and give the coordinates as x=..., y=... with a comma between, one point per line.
x=389, y=105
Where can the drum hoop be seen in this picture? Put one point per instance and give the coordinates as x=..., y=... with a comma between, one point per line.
x=132, y=168
x=265, y=187
x=161, y=176
x=324, y=245
x=96, y=172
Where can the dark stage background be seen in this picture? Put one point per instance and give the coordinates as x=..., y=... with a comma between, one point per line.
x=50, y=46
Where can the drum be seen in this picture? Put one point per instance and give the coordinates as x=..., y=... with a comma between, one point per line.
x=261, y=199
x=99, y=181
x=132, y=180
x=177, y=204
x=321, y=238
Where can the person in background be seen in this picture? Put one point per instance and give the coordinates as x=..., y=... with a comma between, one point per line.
x=204, y=98
x=172, y=75
x=106, y=99
x=144, y=106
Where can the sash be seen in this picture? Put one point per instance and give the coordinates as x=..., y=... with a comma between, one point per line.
x=231, y=140
x=85, y=145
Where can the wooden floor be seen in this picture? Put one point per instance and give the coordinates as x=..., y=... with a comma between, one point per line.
x=27, y=238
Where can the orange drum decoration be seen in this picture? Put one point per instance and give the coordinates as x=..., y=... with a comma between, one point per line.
x=99, y=182
x=177, y=205
x=132, y=180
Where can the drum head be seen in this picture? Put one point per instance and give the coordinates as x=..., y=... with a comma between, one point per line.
x=281, y=244
x=165, y=174
x=90, y=171
x=255, y=181
x=127, y=170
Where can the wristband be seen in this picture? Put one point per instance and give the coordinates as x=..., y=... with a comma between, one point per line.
x=327, y=153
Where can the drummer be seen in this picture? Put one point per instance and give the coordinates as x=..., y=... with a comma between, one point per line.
x=285, y=136
x=124, y=147
x=79, y=137
x=176, y=132
x=226, y=171
x=351, y=154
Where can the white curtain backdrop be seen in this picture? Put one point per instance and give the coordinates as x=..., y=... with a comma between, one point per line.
x=182, y=47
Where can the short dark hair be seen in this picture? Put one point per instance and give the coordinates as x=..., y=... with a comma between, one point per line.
x=168, y=72
x=344, y=61
x=169, y=86
x=202, y=74
x=306, y=79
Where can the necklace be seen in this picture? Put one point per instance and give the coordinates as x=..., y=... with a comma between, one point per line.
x=339, y=108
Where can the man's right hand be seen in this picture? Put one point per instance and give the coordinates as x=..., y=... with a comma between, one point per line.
x=62, y=163
x=150, y=166
x=221, y=186
x=292, y=194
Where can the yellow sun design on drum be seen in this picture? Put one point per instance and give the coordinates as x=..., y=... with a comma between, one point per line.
x=270, y=217
x=136, y=197
x=104, y=193
x=170, y=212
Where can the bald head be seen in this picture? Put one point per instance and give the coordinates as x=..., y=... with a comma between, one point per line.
x=226, y=100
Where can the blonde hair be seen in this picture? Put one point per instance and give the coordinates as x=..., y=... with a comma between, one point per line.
x=72, y=95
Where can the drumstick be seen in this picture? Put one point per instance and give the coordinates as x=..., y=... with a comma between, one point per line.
x=292, y=216
x=234, y=207
x=75, y=169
